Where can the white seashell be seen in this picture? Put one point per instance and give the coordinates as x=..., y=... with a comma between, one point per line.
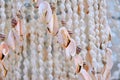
x=78, y=63
x=5, y=48
x=63, y=37
x=71, y=48
x=45, y=12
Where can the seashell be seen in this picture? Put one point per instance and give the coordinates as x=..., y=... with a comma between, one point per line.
x=71, y=48
x=45, y=12
x=78, y=63
x=63, y=37
x=4, y=48
x=3, y=52
x=11, y=40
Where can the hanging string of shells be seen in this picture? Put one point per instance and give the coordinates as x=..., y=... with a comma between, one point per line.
x=54, y=40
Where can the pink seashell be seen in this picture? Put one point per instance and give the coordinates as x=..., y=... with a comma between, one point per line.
x=11, y=40
x=46, y=16
x=71, y=48
x=63, y=37
x=4, y=48
x=78, y=63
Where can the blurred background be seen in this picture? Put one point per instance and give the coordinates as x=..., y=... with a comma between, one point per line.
x=114, y=22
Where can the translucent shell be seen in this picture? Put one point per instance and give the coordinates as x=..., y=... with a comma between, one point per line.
x=11, y=40
x=78, y=63
x=63, y=37
x=45, y=12
x=4, y=48
x=46, y=16
x=71, y=48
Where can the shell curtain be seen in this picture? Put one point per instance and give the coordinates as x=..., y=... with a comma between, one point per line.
x=58, y=40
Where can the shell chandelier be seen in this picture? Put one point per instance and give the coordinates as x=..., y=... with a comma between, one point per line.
x=54, y=40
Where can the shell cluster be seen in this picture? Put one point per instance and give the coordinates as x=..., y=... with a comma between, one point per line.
x=55, y=40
